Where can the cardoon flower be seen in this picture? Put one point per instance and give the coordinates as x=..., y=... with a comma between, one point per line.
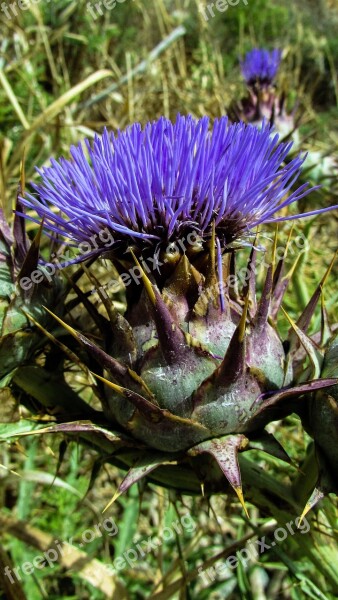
x=194, y=369
x=261, y=66
x=262, y=103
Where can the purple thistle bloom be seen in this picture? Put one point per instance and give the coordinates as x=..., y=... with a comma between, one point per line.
x=151, y=186
x=260, y=65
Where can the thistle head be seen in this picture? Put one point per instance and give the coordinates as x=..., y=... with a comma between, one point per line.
x=183, y=369
x=260, y=67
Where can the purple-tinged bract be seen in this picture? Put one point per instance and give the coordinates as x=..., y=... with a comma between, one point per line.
x=260, y=65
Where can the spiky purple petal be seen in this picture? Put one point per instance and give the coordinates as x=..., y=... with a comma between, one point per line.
x=260, y=65
x=155, y=184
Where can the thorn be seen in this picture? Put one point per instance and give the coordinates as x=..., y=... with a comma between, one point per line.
x=220, y=276
x=114, y=498
x=242, y=323
x=250, y=287
x=70, y=329
x=148, y=407
x=262, y=313
x=114, y=386
x=305, y=318
x=239, y=493
x=313, y=352
x=146, y=281
x=307, y=509
x=274, y=249
x=316, y=495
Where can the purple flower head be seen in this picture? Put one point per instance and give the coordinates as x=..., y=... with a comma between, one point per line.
x=260, y=65
x=153, y=185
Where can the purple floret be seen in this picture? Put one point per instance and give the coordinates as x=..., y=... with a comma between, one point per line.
x=154, y=184
x=260, y=65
